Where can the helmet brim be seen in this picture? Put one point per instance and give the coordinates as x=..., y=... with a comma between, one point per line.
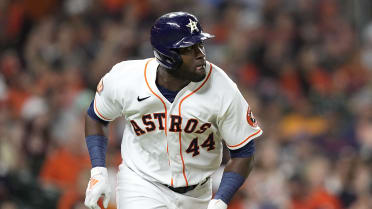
x=191, y=40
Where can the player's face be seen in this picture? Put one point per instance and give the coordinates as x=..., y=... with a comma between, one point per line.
x=193, y=65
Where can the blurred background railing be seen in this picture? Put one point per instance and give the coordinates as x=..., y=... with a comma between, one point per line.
x=304, y=66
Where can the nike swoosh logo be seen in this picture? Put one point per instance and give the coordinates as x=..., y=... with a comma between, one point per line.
x=141, y=99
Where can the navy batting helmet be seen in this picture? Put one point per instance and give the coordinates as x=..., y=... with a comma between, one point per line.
x=172, y=31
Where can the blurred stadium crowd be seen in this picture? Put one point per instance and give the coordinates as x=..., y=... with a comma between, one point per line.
x=305, y=67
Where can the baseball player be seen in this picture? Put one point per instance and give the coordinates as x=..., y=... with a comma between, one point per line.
x=177, y=109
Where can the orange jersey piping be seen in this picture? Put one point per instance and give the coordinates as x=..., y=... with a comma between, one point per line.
x=95, y=108
x=165, y=108
x=254, y=134
x=179, y=112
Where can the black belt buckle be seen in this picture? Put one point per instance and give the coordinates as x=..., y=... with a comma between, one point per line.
x=182, y=190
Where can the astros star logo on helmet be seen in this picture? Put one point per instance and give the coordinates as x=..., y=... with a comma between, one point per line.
x=192, y=26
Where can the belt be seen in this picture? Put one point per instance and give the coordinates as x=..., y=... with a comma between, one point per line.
x=182, y=190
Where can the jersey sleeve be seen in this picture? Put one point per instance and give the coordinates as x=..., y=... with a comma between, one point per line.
x=237, y=124
x=107, y=104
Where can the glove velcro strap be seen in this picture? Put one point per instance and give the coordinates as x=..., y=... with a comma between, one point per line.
x=98, y=171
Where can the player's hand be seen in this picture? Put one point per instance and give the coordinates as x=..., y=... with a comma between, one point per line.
x=98, y=185
x=217, y=204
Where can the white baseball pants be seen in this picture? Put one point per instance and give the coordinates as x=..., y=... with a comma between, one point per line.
x=134, y=192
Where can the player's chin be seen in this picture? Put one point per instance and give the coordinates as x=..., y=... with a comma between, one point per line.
x=199, y=73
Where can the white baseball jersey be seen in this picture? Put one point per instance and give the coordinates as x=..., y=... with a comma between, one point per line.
x=179, y=143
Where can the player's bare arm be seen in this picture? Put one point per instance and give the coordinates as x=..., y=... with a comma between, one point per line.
x=234, y=175
x=93, y=127
x=242, y=166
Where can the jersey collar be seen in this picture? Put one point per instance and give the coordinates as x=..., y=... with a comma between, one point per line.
x=150, y=76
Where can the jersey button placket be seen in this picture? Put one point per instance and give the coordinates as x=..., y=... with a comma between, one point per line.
x=172, y=140
x=173, y=143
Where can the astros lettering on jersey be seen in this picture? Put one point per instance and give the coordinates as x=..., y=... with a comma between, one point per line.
x=179, y=143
